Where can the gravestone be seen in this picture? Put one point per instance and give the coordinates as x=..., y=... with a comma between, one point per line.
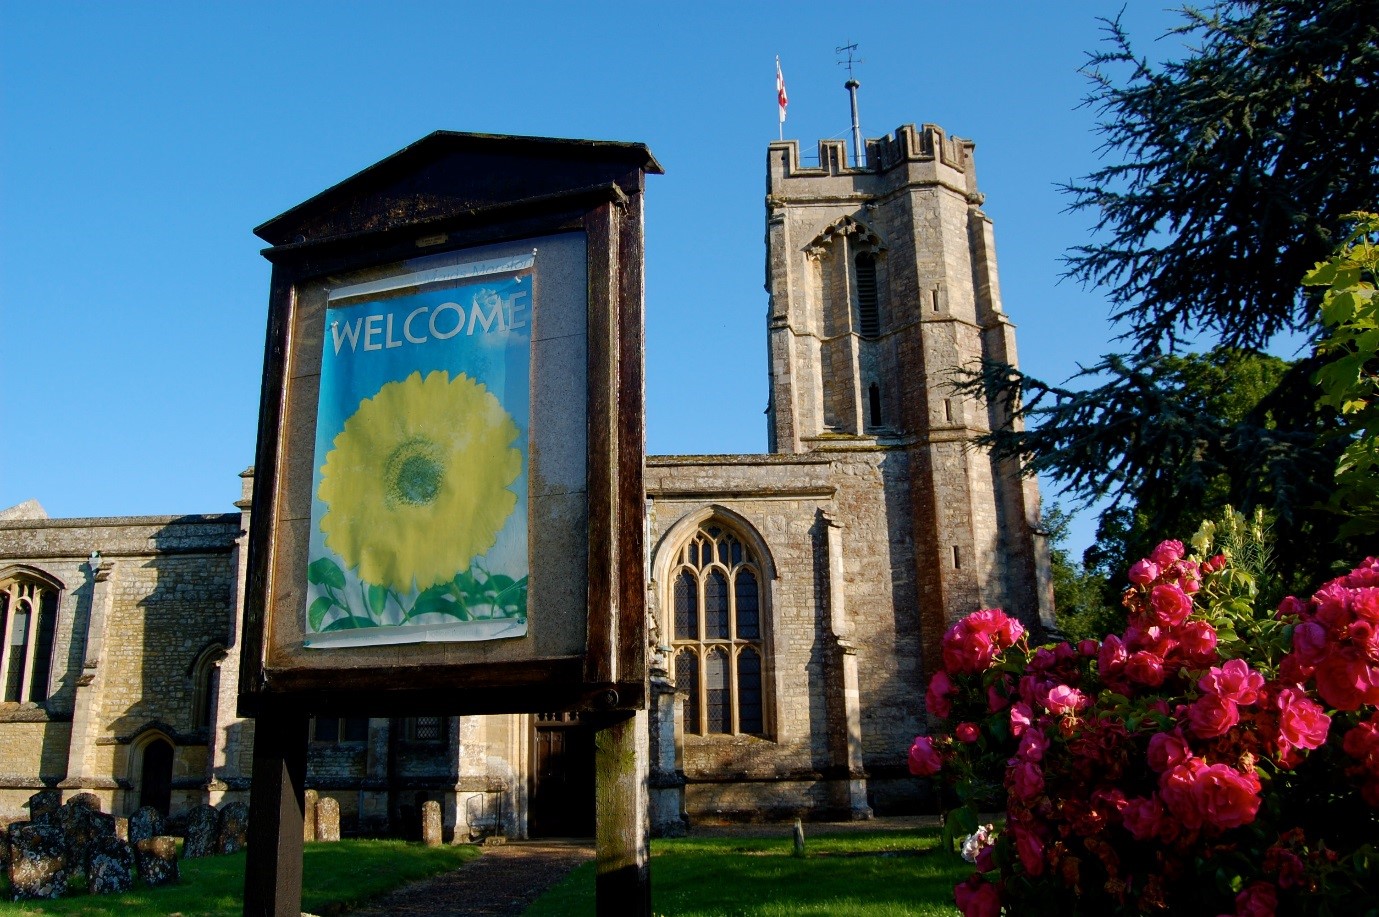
x=431, y=828
x=43, y=807
x=233, y=831
x=89, y=800
x=144, y=824
x=110, y=868
x=157, y=858
x=203, y=832
x=81, y=826
x=309, y=800
x=122, y=828
x=38, y=862
x=327, y=819
x=5, y=848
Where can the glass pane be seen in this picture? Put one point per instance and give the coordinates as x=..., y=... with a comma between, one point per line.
x=428, y=729
x=20, y=630
x=737, y=551
x=687, y=680
x=43, y=645
x=356, y=729
x=327, y=729
x=692, y=553
x=723, y=553
x=748, y=606
x=716, y=693
x=749, y=691
x=716, y=606
x=686, y=606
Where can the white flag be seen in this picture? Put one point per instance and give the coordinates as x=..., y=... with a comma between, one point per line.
x=781, y=100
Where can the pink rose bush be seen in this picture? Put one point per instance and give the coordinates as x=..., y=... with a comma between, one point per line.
x=1212, y=758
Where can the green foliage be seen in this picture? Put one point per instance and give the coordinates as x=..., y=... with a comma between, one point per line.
x=1079, y=602
x=1230, y=172
x=1232, y=169
x=1349, y=372
x=870, y=874
x=335, y=876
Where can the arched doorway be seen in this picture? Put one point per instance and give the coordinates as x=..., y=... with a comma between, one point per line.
x=155, y=775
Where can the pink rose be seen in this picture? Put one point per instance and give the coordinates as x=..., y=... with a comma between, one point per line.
x=996, y=698
x=1032, y=746
x=977, y=898
x=1088, y=648
x=970, y=645
x=1025, y=779
x=937, y=698
x=1063, y=699
x=1112, y=657
x=1309, y=642
x=1362, y=744
x=1301, y=721
x=1145, y=668
x=1177, y=789
x=1196, y=642
x=1145, y=819
x=1258, y=900
x=1365, y=603
x=1167, y=552
x=1170, y=605
x=1211, y=716
x=1166, y=750
x=1234, y=681
x=1347, y=682
x=967, y=733
x=925, y=760
x=1030, y=849
x=1227, y=797
x=1143, y=572
x=1020, y=716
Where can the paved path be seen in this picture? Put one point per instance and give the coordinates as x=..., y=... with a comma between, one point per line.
x=501, y=883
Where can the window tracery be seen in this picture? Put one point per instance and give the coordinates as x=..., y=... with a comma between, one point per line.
x=716, y=613
x=28, y=616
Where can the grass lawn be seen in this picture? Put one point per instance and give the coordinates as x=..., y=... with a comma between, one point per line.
x=334, y=875
x=873, y=874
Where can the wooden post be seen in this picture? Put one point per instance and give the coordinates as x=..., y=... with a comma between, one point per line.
x=273, y=873
x=622, y=835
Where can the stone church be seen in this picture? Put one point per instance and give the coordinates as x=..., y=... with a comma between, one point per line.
x=797, y=597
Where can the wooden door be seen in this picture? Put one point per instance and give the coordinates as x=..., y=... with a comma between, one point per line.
x=562, y=800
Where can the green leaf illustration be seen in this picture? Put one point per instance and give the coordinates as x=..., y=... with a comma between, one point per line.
x=325, y=572
x=438, y=600
x=349, y=622
x=378, y=600
x=317, y=612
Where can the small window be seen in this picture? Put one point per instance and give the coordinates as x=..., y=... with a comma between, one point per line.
x=426, y=730
x=874, y=397
x=868, y=311
x=340, y=730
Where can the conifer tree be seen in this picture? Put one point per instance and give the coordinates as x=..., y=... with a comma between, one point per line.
x=1229, y=173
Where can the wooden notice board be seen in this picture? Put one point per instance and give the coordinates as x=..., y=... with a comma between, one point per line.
x=448, y=499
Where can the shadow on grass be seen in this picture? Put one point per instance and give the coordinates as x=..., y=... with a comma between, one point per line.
x=890, y=873
x=335, y=876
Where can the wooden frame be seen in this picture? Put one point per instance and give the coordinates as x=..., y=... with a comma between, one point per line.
x=455, y=193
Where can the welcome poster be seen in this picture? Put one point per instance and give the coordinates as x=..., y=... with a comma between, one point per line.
x=419, y=509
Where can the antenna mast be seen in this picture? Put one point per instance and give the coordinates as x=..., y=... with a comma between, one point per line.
x=852, y=86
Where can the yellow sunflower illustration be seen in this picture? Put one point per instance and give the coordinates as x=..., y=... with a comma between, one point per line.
x=416, y=484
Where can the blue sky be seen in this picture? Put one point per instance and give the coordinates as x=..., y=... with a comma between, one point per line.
x=140, y=143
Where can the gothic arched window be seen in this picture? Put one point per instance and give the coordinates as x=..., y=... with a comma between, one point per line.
x=28, y=616
x=716, y=619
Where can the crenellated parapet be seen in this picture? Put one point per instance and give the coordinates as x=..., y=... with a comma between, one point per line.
x=908, y=144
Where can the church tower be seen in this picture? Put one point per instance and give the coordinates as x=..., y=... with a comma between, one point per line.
x=882, y=282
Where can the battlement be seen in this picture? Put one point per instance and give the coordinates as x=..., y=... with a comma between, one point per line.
x=929, y=143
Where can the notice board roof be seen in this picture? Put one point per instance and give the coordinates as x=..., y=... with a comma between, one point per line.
x=449, y=173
